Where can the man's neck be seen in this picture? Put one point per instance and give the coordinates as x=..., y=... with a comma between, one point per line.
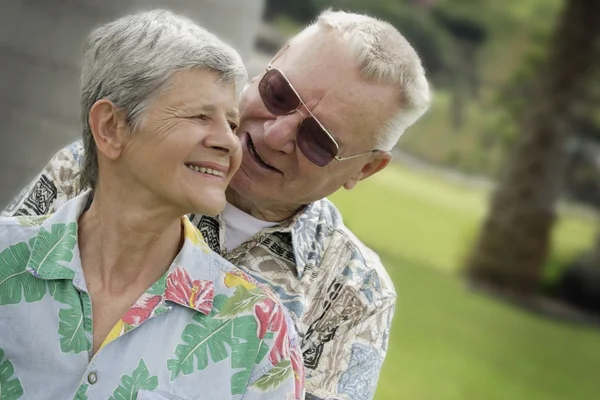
x=124, y=244
x=265, y=212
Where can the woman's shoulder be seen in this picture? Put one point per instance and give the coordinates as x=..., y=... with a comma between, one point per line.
x=22, y=222
x=18, y=229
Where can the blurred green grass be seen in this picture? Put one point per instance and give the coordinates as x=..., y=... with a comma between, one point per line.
x=448, y=343
x=417, y=216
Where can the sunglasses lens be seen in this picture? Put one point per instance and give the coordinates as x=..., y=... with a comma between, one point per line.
x=315, y=143
x=277, y=94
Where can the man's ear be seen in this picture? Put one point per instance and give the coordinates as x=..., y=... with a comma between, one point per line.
x=106, y=124
x=379, y=162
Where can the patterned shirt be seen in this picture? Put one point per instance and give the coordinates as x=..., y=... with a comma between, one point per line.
x=338, y=294
x=204, y=330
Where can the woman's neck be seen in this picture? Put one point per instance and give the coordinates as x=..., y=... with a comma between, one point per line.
x=124, y=242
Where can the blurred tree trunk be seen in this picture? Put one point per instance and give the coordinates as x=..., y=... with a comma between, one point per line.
x=514, y=241
x=593, y=261
x=596, y=252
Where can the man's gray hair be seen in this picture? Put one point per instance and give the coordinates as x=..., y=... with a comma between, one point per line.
x=384, y=56
x=130, y=61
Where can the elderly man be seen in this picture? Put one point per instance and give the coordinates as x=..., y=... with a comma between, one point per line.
x=324, y=115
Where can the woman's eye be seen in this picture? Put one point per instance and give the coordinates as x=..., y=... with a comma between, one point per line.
x=233, y=126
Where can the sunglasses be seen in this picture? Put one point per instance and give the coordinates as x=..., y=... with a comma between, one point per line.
x=315, y=142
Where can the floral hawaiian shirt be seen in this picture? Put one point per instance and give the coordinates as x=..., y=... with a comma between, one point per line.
x=205, y=330
x=336, y=290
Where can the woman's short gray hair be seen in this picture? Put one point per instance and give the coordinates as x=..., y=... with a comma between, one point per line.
x=384, y=56
x=131, y=60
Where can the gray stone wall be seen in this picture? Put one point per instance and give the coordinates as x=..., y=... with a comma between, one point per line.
x=40, y=49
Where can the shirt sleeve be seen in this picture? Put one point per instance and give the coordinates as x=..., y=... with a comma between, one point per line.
x=57, y=183
x=351, y=355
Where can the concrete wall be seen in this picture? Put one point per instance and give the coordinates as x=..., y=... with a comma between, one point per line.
x=40, y=49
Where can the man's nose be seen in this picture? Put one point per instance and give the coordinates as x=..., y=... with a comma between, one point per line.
x=281, y=132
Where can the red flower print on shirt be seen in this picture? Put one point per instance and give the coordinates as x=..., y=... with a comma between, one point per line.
x=281, y=347
x=298, y=368
x=263, y=310
x=197, y=294
x=142, y=309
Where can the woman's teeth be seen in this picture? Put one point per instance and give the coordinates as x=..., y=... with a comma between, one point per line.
x=205, y=170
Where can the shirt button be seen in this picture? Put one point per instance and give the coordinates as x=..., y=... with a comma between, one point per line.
x=92, y=378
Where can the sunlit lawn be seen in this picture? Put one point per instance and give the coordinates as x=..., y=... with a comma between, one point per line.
x=447, y=342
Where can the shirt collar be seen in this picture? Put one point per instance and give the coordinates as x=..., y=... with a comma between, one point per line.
x=310, y=230
x=188, y=282
x=54, y=251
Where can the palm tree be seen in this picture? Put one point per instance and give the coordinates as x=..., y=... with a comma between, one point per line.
x=514, y=240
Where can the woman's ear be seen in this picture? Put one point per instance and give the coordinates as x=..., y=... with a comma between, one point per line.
x=106, y=122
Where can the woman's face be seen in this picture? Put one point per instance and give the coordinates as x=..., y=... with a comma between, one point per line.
x=186, y=152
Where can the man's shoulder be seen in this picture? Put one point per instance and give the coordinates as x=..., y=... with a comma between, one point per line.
x=70, y=156
x=75, y=150
x=67, y=161
x=23, y=221
x=54, y=185
x=366, y=263
x=360, y=262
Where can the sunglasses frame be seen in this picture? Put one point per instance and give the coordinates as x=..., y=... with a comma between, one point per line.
x=297, y=109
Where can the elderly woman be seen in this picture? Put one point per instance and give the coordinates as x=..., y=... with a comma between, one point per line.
x=96, y=301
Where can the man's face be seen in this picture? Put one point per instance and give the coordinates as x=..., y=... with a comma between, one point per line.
x=275, y=176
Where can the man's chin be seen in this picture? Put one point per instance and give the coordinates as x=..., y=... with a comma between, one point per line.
x=238, y=189
x=241, y=184
x=242, y=192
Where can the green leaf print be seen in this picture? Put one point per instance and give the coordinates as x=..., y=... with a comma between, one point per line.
x=275, y=376
x=52, y=248
x=71, y=320
x=243, y=354
x=130, y=385
x=64, y=292
x=159, y=286
x=82, y=393
x=207, y=335
x=15, y=280
x=210, y=336
x=262, y=352
x=242, y=301
x=10, y=388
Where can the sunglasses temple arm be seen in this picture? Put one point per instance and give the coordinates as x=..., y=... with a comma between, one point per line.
x=355, y=156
